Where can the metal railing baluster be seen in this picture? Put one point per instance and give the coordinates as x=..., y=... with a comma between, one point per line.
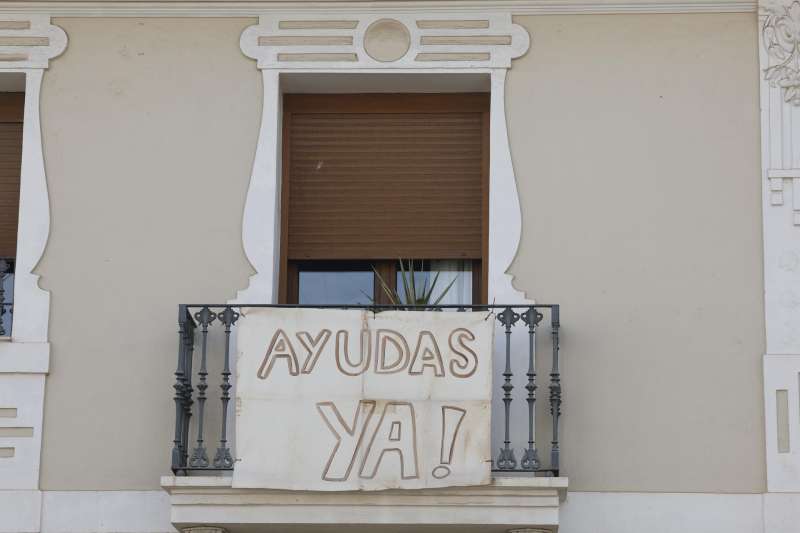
x=188, y=355
x=530, y=459
x=223, y=459
x=555, y=391
x=506, y=459
x=177, y=448
x=199, y=456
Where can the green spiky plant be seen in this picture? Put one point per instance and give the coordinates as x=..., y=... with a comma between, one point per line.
x=408, y=294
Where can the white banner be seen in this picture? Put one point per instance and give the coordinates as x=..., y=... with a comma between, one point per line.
x=353, y=400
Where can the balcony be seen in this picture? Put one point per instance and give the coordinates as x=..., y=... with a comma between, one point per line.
x=522, y=488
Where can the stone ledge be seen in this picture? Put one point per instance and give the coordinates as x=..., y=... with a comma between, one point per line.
x=507, y=503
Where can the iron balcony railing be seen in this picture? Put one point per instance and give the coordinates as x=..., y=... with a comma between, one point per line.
x=6, y=295
x=204, y=326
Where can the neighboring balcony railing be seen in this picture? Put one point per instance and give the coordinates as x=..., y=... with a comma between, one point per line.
x=515, y=403
x=6, y=295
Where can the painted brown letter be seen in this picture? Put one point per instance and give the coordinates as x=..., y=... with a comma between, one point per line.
x=427, y=354
x=383, y=339
x=279, y=346
x=313, y=346
x=468, y=362
x=343, y=353
x=348, y=437
x=396, y=432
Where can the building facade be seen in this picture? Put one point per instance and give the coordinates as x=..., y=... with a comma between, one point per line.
x=615, y=186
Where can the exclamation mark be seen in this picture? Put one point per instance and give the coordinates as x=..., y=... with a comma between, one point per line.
x=451, y=422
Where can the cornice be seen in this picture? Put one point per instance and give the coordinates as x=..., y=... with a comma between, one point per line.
x=221, y=8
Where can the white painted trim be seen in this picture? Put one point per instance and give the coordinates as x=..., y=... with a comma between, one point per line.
x=31, y=303
x=255, y=8
x=262, y=209
x=505, y=214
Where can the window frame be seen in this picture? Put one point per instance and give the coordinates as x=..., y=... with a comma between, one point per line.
x=288, y=278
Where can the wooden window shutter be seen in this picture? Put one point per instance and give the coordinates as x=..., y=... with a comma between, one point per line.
x=385, y=176
x=11, y=114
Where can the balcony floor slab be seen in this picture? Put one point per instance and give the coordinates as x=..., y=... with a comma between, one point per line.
x=506, y=503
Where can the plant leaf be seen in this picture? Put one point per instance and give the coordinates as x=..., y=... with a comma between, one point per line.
x=385, y=286
x=444, y=292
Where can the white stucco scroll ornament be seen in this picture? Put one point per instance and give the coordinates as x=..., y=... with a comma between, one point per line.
x=780, y=33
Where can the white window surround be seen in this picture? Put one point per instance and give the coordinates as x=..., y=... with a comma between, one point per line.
x=27, y=43
x=320, y=43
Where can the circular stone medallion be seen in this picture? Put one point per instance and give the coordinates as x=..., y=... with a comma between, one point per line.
x=387, y=40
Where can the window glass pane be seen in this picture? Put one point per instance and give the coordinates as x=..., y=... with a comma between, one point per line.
x=457, y=274
x=335, y=287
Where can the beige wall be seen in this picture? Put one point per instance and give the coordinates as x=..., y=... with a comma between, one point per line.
x=149, y=131
x=635, y=142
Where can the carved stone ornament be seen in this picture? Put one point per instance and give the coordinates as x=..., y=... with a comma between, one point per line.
x=781, y=36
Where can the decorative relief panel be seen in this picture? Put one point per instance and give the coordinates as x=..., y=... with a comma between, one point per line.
x=29, y=41
x=374, y=41
x=780, y=95
x=780, y=32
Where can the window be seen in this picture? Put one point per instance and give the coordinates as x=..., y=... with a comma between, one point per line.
x=372, y=179
x=11, y=114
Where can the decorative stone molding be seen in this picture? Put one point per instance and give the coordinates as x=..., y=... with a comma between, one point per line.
x=29, y=41
x=780, y=32
x=419, y=41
